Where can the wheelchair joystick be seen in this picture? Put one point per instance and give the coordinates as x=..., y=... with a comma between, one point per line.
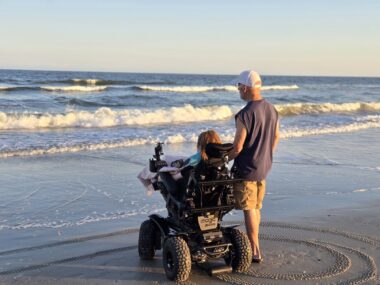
x=158, y=151
x=156, y=163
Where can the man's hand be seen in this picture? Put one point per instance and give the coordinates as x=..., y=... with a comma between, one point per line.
x=240, y=136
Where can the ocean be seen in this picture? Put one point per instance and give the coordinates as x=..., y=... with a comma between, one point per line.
x=45, y=112
x=72, y=143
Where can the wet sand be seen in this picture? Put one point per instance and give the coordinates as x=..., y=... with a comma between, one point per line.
x=320, y=215
x=338, y=247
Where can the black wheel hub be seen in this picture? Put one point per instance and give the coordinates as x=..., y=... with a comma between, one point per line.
x=169, y=261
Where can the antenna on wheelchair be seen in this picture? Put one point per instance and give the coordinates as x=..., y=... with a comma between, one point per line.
x=158, y=151
x=156, y=163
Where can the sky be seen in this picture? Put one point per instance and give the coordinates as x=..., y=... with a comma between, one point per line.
x=282, y=37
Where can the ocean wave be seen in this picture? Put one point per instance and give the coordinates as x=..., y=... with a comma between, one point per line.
x=90, y=81
x=83, y=103
x=94, y=81
x=318, y=108
x=99, y=81
x=186, y=137
x=106, y=117
x=370, y=123
x=77, y=148
x=74, y=88
x=151, y=140
x=279, y=87
x=18, y=88
x=199, y=89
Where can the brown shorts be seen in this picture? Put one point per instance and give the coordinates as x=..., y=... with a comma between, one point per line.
x=249, y=195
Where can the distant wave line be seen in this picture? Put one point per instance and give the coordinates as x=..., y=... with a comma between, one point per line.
x=72, y=88
x=18, y=88
x=199, y=89
x=93, y=85
x=319, y=108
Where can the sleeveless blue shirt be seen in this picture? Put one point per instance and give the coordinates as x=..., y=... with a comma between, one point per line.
x=255, y=160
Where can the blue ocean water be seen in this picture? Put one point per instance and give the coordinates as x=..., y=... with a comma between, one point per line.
x=56, y=112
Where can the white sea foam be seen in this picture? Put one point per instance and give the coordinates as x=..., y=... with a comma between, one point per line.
x=360, y=190
x=78, y=148
x=186, y=89
x=90, y=81
x=349, y=128
x=279, y=87
x=5, y=87
x=109, y=216
x=227, y=136
x=198, y=89
x=74, y=88
x=106, y=117
x=318, y=108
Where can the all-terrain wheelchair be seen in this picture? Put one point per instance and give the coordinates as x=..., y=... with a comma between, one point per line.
x=192, y=232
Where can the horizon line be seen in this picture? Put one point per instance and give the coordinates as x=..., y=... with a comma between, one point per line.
x=182, y=73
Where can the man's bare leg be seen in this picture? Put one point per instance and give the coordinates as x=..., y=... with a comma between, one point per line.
x=252, y=222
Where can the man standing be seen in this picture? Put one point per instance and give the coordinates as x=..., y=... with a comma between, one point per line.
x=256, y=137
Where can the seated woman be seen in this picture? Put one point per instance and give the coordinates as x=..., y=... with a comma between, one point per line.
x=178, y=179
x=204, y=138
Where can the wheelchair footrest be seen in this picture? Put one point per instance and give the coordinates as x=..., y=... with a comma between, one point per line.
x=220, y=270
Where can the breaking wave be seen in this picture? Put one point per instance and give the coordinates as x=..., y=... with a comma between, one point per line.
x=226, y=136
x=318, y=108
x=98, y=81
x=88, y=81
x=199, y=89
x=371, y=122
x=106, y=117
x=74, y=88
x=18, y=88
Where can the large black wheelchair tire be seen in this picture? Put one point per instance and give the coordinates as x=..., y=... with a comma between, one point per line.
x=240, y=255
x=147, y=236
x=176, y=259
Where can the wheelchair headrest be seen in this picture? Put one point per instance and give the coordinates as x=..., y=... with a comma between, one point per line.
x=214, y=150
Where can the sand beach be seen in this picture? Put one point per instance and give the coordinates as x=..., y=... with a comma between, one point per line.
x=341, y=247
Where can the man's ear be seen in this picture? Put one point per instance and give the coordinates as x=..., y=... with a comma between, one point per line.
x=245, y=92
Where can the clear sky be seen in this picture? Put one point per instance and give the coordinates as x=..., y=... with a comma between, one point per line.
x=293, y=37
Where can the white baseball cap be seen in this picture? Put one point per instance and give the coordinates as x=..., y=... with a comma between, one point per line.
x=249, y=78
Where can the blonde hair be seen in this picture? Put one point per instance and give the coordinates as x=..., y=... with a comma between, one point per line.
x=204, y=138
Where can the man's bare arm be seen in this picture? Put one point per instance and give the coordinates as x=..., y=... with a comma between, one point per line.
x=240, y=135
x=276, y=136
